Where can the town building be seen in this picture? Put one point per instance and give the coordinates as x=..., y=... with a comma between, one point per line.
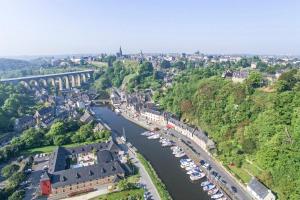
x=153, y=115
x=24, y=123
x=258, y=191
x=194, y=134
x=45, y=116
x=239, y=76
x=82, y=169
x=87, y=117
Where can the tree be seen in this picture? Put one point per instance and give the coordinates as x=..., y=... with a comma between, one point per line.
x=85, y=133
x=254, y=80
x=165, y=64
x=59, y=140
x=244, y=62
x=186, y=106
x=17, y=195
x=125, y=185
x=287, y=80
x=8, y=170
x=248, y=145
x=58, y=128
x=261, y=66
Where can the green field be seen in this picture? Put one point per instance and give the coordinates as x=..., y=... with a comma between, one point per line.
x=46, y=149
x=240, y=173
x=127, y=194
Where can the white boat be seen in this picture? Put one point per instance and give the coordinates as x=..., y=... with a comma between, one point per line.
x=222, y=198
x=196, y=176
x=123, y=139
x=218, y=195
x=152, y=137
x=117, y=111
x=180, y=154
x=145, y=133
x=205, y=183
x=174, y=148
x=190, y=167
x=166, y=144
x=213, y=191
x=185, y=160
x=193, y=171
x=209, y=187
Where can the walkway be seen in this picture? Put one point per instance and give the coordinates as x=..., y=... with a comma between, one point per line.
x=90, y=195
x=145, y=178
x=196, y=153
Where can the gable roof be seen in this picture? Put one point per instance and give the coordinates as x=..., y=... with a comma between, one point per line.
x=261, y=190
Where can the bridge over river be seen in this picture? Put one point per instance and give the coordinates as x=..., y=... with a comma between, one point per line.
x=60, y=80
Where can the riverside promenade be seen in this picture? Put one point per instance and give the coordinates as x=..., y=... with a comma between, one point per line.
x=196, y=153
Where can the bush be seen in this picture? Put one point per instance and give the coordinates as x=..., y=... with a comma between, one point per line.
x=8, y=170
x=17, y=195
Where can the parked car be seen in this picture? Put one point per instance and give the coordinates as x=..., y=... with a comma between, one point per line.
x=223, y=181
x=202, y=162
x=234, y=189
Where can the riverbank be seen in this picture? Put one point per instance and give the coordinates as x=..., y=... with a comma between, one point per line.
x=166, y=166
x=160, y=186
x=196, y=153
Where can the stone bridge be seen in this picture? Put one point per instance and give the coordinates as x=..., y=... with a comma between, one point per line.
x=61, y=81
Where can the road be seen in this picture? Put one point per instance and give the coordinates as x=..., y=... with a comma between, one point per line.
x=145, y=179
x=35, y=178
x=241, y=193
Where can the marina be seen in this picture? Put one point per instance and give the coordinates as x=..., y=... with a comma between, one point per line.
x=161, y=158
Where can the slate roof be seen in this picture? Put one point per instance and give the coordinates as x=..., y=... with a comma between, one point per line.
x=45, y=110
x=86, y=117
x=155, y=112
x=83, y=174
x=261, y=190
x=107, y=164
x=25, y=119
x=196, y=132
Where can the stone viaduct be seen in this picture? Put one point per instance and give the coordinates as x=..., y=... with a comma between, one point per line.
x=61, y=81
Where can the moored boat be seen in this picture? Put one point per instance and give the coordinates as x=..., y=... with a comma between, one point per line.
x=209, y=187
x=217, y=196
x=213, y=191
x=205, y=183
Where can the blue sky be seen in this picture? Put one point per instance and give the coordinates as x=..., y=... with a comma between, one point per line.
x=44, y=27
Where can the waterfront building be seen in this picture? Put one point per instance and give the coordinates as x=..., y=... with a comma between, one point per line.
x=152, y=115
x=194, y=134
x=258, y=191
x=82, y=169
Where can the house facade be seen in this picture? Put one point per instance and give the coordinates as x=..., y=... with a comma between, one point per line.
x=82, y=169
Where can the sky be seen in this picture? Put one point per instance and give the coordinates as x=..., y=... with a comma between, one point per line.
x=54, y=27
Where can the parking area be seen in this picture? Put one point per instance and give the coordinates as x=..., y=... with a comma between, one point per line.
x=39, y=163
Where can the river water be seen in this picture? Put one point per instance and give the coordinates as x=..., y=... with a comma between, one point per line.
x=165, y=164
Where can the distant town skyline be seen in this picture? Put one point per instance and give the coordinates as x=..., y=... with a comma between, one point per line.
x=45, y=28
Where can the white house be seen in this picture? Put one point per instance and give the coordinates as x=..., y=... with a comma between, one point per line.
x=259, y=191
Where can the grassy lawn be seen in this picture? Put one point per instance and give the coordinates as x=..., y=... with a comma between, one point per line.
x=160, y=186
x=139, y=193
x=46, y=149
x=252, y=168
x=240, y=173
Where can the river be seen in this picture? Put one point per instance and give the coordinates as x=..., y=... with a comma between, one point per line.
x=165, y=164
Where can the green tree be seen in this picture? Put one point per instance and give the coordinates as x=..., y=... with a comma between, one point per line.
x=254, y=80
x=17, y=195
x=10, y=169
x=165, y=64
